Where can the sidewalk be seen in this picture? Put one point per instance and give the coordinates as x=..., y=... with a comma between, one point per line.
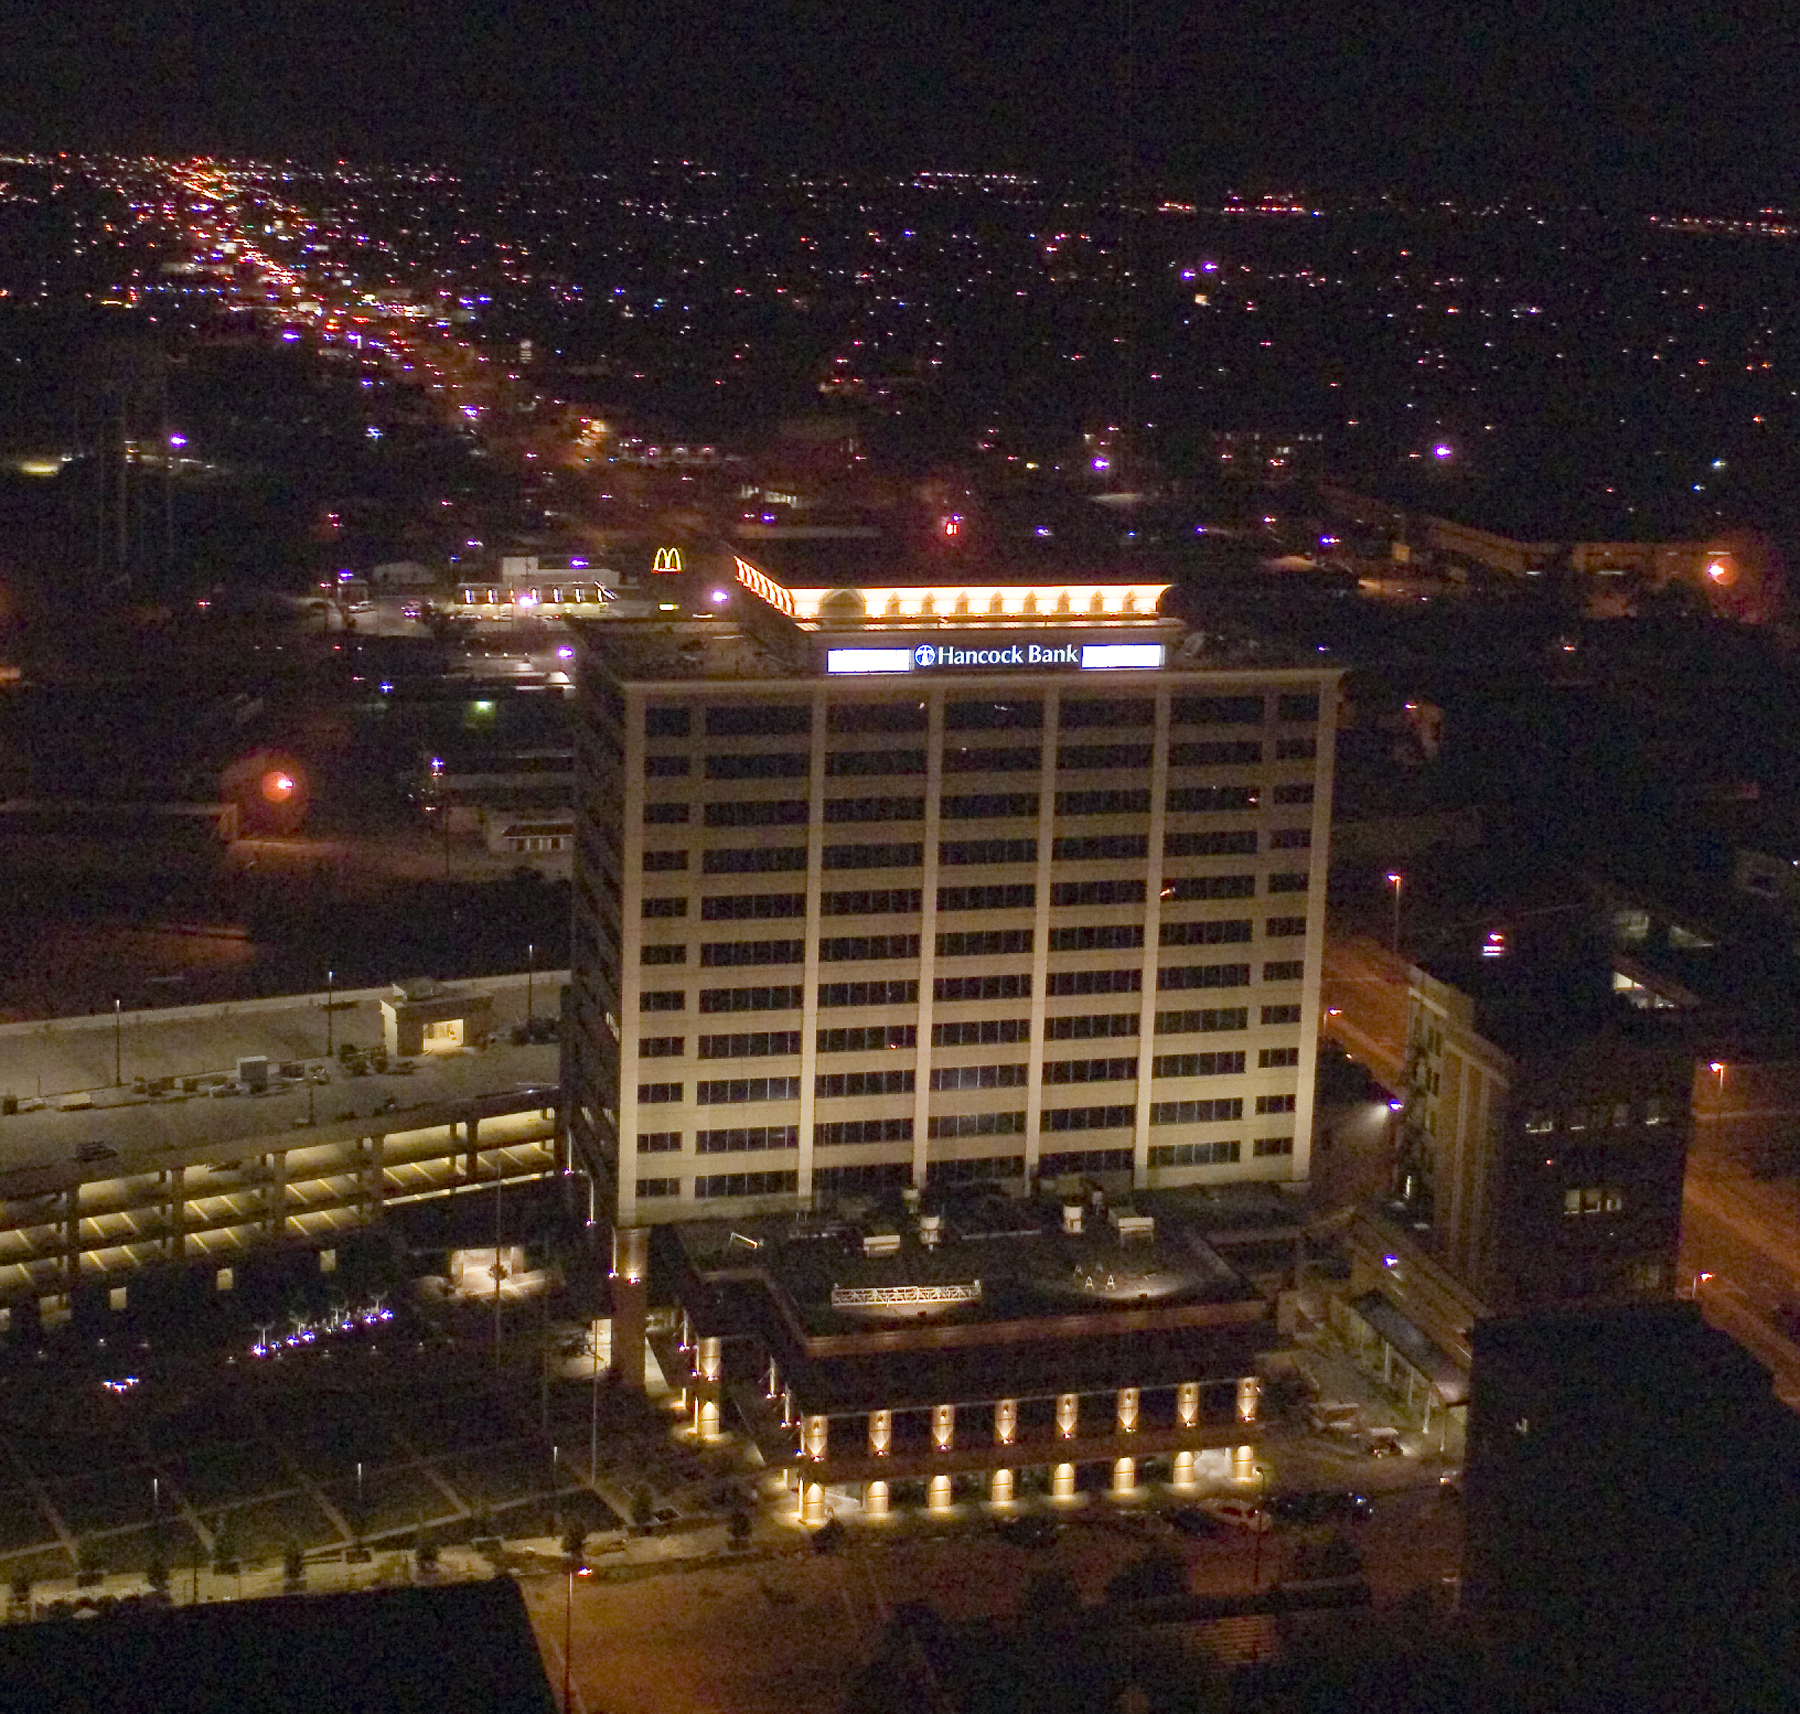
x=1340, y=1377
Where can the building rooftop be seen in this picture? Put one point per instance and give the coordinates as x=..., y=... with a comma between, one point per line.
x=75, y=1112
x=456, y=1649
x=996, y=1258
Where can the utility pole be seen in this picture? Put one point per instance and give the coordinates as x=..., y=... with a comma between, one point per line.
x=499, y=1271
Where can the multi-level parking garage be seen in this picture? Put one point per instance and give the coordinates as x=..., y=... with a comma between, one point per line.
x=191, y=1134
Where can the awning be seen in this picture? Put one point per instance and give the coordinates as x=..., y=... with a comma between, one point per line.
x=1436, y=1365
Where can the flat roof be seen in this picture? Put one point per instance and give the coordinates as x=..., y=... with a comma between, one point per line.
x=457, y=1648
x=71, y=1061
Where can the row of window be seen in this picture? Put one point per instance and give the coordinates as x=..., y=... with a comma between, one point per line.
x=1603, y=1115
x=759, y=1043
x=982, y=943
x=972, y=806
x=1014, y=985
x=793, y=764
x=1011, y=895
x=776, y=719
x=852, y=1132
x=876, y=1177
x=952, y=853
x=831, y=1085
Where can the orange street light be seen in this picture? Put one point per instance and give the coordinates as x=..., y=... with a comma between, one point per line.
x=1397, y=882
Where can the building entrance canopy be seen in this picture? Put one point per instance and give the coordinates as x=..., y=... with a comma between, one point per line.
x=1437, y=1367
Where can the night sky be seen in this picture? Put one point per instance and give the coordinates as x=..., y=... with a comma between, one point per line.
x=1640, y=102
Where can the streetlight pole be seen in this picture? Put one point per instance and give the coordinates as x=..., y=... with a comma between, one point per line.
x=330, y=979
x=594, y=1405
x=499, y=1271
x=1262, y=1498
x=1397, y=882
x=118, y=1042
x=530, y=981
x=568, y=1633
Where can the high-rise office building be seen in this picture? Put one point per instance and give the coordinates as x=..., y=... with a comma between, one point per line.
x=915, y=887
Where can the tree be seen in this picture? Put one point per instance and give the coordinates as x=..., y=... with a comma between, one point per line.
x=643, y=1507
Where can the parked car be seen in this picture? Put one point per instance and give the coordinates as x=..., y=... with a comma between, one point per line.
x=1191, y=1520
x=1383, y=1443
x=1239, y=1514
x=1032, y=1532
x=1321, y=1506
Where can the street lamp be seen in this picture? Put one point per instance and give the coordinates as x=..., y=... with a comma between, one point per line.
x=530, y=981
x=330, y=978
x=1717, y=1068
x=118, y=1043
x=1397, y=882
x=1262, y=1503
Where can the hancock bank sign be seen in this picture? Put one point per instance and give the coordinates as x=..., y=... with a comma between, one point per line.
x=958, y=657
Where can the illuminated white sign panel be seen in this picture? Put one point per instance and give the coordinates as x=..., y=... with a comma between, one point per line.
x=937, y=657
x=868, y=660
x=1105, y=655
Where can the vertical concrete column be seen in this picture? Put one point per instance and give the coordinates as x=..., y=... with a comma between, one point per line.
x=943, y=1427
x=1249, y=1389
x=1187, y=1403
x=1148, y=997
x=71, y=1237
x=787, y=1407
x=1128, y=1410
x=275, y=1195
x=934, y=779
x=175, y=1213
x=630, y=1303
x=1062, y=1482
x=881, y=1432
x=815, y=1436
x=1243, y=1463
x=938, y=1496
x=1124, y=1476
x=812, y=1502
x=1181, y=1472
x=374, y=1169
x=709, y=1369
x=1040, y=929
x=1068, y=1415
x=1006, y=1421
x=471, y=1135
x=875, y=1499
x=1000, y=1488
